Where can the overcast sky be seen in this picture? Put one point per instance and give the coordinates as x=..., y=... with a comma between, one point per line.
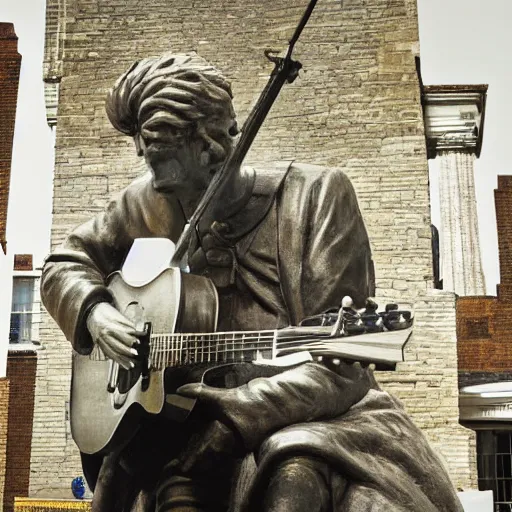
x=462, y=41
x=29, y=211
x=469, y=42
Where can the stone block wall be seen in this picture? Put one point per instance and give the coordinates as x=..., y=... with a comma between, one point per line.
x=356, y=105
x=427, y=384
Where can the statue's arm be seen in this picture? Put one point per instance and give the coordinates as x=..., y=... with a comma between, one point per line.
x=338, y=258
x=324, y=251
x=73, y=278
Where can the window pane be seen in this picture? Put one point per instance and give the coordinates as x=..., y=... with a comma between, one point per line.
x=14, y=332
x=494, y=456
x=22, y=310
x=21, y=328
x=22, y=294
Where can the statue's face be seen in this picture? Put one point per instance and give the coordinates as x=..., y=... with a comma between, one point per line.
x=184, y=163
x=177, y=168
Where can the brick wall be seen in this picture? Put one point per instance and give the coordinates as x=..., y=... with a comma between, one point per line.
x=4, y=417
x=21, y=372
x=503, y=204
x=481, y=344
x=10, y=62
x=484, y=324
x=357, y=105
x=23, y=262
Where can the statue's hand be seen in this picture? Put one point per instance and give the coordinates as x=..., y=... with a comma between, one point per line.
x=114, y=334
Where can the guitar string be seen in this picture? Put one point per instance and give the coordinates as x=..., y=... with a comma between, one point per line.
x=155, y=338
x=243, y=334
x=171, y=345
x=208, y=354
x=232, y=355
x=189, y=336
x=245, y=341
x=317, y=348
x=208, y=348
x=164, y=345
x=161, y=348
x=206, y=343
x=323, y=350
x=218, y=347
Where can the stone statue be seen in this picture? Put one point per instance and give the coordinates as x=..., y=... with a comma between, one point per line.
x=290, y=243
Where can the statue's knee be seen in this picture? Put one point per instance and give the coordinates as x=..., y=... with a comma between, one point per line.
x=299, y=484
x=295, y=468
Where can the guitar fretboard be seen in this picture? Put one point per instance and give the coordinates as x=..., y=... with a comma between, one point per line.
x=220, y=347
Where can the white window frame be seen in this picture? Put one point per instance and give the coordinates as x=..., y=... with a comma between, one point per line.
x=35, y=311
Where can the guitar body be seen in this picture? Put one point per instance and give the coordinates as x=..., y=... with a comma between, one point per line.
x=106, y=420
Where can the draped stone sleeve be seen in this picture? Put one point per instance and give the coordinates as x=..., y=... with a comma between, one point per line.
x=324, y=251
x=73, y=278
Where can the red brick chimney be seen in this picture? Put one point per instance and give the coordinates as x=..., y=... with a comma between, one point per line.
x=10, y=63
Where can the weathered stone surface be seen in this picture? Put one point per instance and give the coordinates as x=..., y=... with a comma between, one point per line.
x=462, y=265
x=356, y=105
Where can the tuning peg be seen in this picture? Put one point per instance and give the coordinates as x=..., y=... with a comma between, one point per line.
x=347, y=302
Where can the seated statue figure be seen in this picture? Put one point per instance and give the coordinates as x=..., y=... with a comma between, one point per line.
x=290, y=243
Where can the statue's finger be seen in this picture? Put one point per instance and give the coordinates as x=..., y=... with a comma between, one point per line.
x=111, y=354
x=121, y=319
x=125, y=342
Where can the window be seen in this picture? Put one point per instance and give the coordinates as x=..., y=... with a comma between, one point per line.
x=25, y=312
x=494, y=456
x=477, y=328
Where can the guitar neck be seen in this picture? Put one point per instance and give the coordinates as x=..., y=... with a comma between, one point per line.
x=228, y=347
x=382, y=348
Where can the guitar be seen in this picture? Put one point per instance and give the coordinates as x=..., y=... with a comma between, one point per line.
x=179, y=311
